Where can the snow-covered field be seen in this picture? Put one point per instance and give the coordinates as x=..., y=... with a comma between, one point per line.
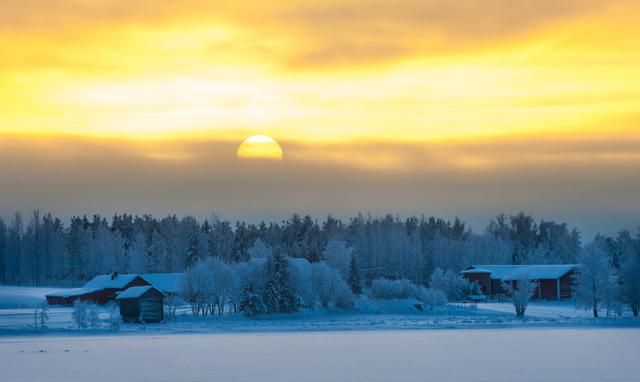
x=424, y=355
x=382, y=340
x=22, y=297
x=369, y=315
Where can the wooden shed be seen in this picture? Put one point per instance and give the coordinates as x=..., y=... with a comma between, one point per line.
x=141, y=304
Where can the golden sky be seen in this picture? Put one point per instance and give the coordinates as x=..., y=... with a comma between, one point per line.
x=398, y=86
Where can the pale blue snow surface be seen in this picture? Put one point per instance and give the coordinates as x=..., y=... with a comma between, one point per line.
x=22, y=297
x=524, y=355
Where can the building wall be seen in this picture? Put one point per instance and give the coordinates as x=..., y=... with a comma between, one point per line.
x=548, y=289
x=151, y=309
x=129, y=310
x=566, y=286
x=147, y=308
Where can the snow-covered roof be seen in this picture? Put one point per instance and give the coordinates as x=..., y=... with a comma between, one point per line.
x=135, y=292
x=73, y=292
x=513, y=272
x=108, y=282
x=166, y=282
x=476, y=270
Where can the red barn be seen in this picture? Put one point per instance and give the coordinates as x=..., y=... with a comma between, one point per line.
x=555, y=282
x=99, y=290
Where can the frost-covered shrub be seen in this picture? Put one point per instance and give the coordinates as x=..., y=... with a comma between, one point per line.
x=41, y=316
x=330, y=288
x=114, y=316
x=344, y=297
x=80, y=315
x=389, y=289
x=452, y=284
x=432, y=297
x=93, y=318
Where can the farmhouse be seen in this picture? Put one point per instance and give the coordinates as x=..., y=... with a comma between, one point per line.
x=141, y=304
x=555, y=282
x=104, y=288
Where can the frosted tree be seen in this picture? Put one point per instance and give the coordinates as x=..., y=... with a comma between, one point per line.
x=520, y=290
x=41, y=316
x=80, y=314
x=330, y=288
x=194, y=288
x=114, y=316
x=44, y=315
x=452, y=284
x=630, y=282
x=593, y=278
x=223, y=283
x=338, y=256
x=259, y=250
x=393, y=289
x=432, y=297
x=92, y=317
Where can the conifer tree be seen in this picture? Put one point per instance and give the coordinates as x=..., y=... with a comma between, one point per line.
x=279, y=295
x=354, y=277
x=250, y=303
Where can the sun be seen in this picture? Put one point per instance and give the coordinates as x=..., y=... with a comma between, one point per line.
x=259, y=147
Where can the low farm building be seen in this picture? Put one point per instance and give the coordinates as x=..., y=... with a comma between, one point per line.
x=141, y=304
x=105, y=288
x=99, y=290
x=555, y=282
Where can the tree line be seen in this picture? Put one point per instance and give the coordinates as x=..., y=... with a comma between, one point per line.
x=42, y=250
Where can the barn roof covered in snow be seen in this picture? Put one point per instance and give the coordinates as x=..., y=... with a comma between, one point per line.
x=513, y=272
x=166, y=282
x=73, y=292
x=111, y=281
x=135, y=292
x=98, y=283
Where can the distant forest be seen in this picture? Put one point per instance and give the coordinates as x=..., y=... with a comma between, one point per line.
x=42, y=250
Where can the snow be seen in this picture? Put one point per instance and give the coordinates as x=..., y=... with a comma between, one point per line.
x=512, y=272
x=107, y=282
x=568, y=355
x=135, y=292
x=73, y=292
x=97, y=283
x=547, y=309
x=166, y=282
x=22, y=297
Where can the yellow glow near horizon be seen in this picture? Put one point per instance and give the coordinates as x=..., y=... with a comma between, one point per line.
x=179, y=71
x=259, y=147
